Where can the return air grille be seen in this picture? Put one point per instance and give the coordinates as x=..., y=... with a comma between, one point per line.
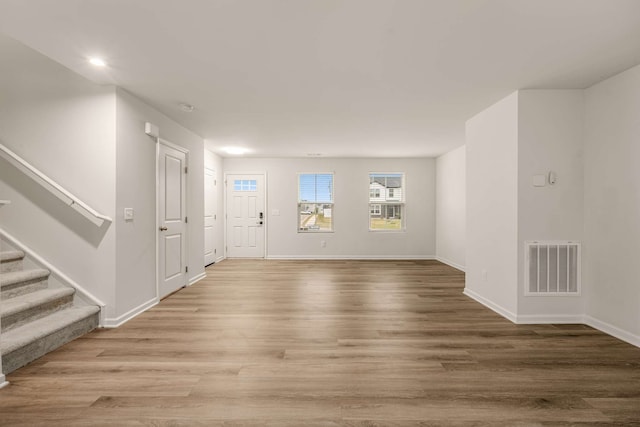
x=552, y=268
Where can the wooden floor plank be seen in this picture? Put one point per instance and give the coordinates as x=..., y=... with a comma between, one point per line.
x=329, y=343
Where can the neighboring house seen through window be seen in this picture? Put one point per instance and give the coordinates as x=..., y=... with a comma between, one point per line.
x=315, y=202
x=386, y=201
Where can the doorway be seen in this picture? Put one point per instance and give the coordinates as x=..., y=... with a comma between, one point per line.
x=172, y=218
x=245, y=215
x=210, y=215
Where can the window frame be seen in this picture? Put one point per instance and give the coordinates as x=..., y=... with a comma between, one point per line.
x=318, y=204
x=383, y=204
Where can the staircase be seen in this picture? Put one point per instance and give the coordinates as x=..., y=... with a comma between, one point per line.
x=36, y=318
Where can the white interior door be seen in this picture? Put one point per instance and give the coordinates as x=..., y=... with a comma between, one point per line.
x=210, y=216
x=245, y=216
x=171, y=219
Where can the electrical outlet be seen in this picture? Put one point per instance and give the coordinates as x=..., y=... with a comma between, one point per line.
x=128, y=214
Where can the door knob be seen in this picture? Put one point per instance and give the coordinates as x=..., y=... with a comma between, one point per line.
x=163, y=228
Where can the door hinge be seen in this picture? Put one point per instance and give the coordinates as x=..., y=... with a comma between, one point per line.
x=186, y=169
x=215, y=182
x=186, y=269
x=215, y=251
x=186, y=219
x=215, y=217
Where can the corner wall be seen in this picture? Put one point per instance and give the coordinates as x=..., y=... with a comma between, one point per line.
x=492, y=207
x=612, y=205
x=136, y=188
x=451, y=208
x=550, y=138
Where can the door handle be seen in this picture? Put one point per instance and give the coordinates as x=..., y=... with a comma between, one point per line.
x=163, y=228
x=259, y=222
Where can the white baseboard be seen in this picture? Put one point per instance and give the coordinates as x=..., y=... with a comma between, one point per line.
x=118, y=321
x=353, y=257
x=220, y=258
x=3, y=381
x=450, y=263
x=600, y=325
x=489, y=304
x=197, y=278
x=540, y=319
x=614, y=331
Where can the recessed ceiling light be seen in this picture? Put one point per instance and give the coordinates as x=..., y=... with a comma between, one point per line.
x=98, y=62
x=234, y=150
x=187, y=108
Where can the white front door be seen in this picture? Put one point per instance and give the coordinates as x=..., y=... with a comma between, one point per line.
x=245, y=216
x=210, y=216
x=171, y=219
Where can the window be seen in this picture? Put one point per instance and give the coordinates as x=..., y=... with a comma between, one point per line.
x=386, y=201
x=244, y=185
x=315, y=202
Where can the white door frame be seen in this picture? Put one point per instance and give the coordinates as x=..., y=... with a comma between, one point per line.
x=186, y=209
x=266, y=216
x=215, y=213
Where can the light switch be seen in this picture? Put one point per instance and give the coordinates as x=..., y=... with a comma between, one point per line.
x=128, y=214
x=539, y=180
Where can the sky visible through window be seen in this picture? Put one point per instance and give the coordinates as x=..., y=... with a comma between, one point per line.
x=316, y=188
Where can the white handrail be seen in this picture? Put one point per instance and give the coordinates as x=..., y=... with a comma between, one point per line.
x=68, y=198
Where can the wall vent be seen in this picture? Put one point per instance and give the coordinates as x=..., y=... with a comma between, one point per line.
x=552, y=268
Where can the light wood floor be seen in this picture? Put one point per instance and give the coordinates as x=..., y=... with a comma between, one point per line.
x=329, y=343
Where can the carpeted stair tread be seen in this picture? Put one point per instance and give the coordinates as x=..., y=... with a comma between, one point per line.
x=7, y=256
x=25, y=302
x=38, y=329
x=14, y=277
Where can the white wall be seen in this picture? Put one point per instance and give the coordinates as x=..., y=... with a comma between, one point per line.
x=612, y=204
x=64, y=126
x=451, y=208
x=550, y=138
x=90, y=139
x=351, y=237
x=213, y=161
x=492, y=206
x=136, y=188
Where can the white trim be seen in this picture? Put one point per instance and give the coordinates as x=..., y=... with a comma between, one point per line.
x=220, y=258
x=489, y=304
x=58, y=274
x=120, y=320
x=614, y=331
x=541, y=319
x=53, y=187
x=3, y=381
x=451, y=263
x=355, y=257
x=197, y=278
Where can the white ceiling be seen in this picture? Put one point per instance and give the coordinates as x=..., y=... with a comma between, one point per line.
x=344, y=78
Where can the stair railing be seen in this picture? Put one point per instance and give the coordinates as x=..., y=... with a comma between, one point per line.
x=69, y=199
